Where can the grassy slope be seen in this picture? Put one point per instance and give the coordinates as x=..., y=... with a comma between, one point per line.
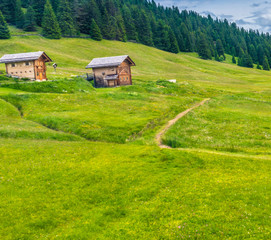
x=55, y=189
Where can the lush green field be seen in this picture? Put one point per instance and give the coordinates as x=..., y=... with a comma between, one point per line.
x=82, y=163
x=235, y=123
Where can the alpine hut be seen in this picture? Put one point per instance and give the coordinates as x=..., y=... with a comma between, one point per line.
x=112, y=71
x=26, y=65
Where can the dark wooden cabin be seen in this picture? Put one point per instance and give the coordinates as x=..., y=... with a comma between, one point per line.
x=112, y=71
x=26, y=65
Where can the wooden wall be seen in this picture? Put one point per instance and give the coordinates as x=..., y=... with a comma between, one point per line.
x=21, y=69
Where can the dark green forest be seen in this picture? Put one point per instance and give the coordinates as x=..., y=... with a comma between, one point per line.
x=140, y=21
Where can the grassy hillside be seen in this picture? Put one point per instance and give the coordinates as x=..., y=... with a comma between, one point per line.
x=73, y=55
x=82, y=163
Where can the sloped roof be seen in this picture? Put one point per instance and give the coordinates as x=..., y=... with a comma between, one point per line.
x=109, y=61
x=20, y=57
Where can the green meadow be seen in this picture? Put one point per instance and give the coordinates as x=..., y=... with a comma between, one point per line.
x=82, y=163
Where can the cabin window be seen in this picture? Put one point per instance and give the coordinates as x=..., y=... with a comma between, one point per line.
x=13, y=65
x=11, y=72
x=112, y=69
x=103, y=73
x=27, y=63
x=127, y=78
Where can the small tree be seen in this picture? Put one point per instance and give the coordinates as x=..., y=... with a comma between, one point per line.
x=258, y=66
x=173, y=44
x=30, y=20
x=95, y=32
x=220, y=49
x=50, y=26
x=233, y=59
x=4, y=31
x=19, y=14
x=266, y=66
x=203, y=47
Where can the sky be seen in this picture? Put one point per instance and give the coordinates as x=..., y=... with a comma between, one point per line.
x=254, y=14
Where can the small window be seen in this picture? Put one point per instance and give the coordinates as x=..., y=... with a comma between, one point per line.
x=112, y=69
x=25, y=71
x=16, y=73
x=13, y=65
x=29, y=71
x=27, y=63
x=11, y=72
x=21, y=72
x=127, y=78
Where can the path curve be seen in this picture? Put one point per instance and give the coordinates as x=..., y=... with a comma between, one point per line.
x=159, y=136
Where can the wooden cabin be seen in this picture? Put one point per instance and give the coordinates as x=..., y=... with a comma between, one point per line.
x=112, y=71
x=26, y=65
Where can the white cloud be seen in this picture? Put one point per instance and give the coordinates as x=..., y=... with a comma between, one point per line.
x=255, y=14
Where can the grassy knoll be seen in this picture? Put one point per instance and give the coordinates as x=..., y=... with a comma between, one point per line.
x=13, y=126
x=65, y=175
x=235, y=123
x=111, y=115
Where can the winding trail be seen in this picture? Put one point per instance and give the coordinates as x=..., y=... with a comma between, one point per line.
x=159, y=136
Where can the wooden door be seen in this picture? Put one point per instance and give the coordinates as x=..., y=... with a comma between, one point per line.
x=40, y=68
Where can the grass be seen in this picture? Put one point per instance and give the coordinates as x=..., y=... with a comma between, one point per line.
x=82, y=163
x=235, y=123
x=111, y=116
x=58, y=86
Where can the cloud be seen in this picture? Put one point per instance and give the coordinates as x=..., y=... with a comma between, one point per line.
x=227, y=16
x=206, y=13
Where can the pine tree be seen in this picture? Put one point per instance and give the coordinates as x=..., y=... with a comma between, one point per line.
x=4, y=31
x=217, y=57
x=38, y=6
x=220, y=49
x=233, y=59
x=160, y=36
x=266, y=66
x=187, y=38
x=95, y=31
x=258, y=66
x=129, y=25
x=19, y=15
x=203, y=47
x=50, y=26
x=30, y=20
x=144, y=29
x=8, y=8
x=106, y=28
x=121, y=36
x=88, y=10
x=65, y=19
x=173, y=44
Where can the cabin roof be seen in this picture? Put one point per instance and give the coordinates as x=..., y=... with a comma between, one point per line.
x=109, y=61
x=20, y=57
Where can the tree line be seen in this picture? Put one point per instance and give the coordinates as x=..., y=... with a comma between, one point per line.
x=141, y=21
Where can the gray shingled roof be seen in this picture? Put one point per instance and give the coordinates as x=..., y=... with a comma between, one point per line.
x=20, y=57
x=107, y=61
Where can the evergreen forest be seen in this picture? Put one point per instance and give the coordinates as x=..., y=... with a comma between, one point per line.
x=140, y=21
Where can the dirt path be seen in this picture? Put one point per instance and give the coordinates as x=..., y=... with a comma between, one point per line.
x=159, y=136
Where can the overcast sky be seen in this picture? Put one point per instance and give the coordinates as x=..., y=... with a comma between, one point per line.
x=255, y=14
